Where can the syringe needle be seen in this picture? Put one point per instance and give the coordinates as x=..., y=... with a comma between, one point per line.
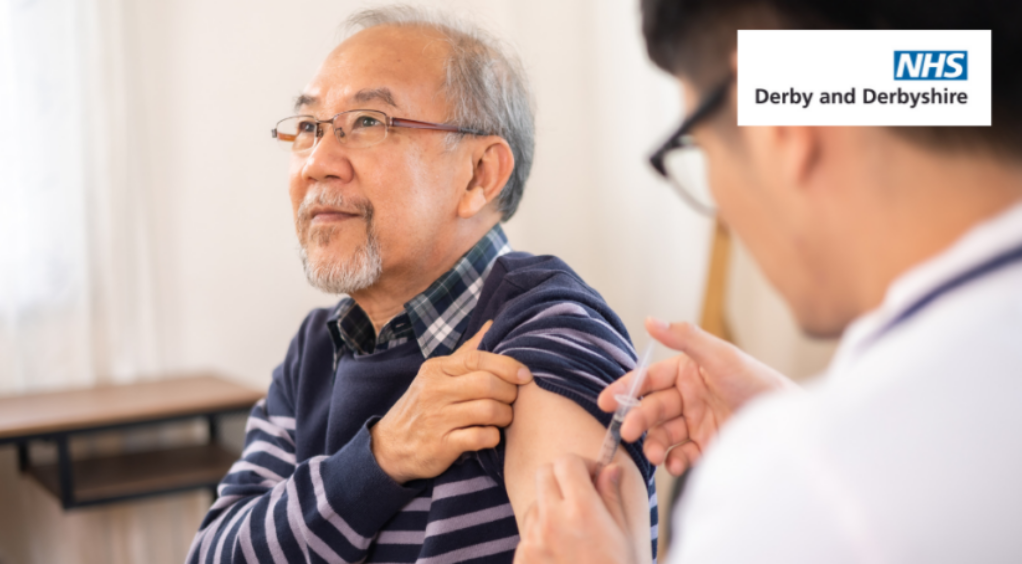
x=625, y=403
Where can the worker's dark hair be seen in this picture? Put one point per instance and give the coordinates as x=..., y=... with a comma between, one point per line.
x=695, y=38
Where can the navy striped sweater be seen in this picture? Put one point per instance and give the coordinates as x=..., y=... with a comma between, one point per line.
x=307, y=487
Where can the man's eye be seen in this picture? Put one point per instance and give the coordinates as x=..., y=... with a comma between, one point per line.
x=306, y=127
x=367, y=121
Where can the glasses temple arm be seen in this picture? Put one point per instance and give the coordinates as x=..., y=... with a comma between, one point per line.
x=415, y=124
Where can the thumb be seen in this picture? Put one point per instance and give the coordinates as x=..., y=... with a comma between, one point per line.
x=608, y=484
x=473, y=343
x=705, y=349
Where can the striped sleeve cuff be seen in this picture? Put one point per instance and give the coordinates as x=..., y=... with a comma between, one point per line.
x=356, y=486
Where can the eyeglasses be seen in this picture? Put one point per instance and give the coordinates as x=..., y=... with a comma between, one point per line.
x=355, y=128
x=682, y=162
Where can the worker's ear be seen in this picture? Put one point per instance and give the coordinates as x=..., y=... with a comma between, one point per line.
x=787, y=158
x=492, y=163
x=792, y=152
x=799, y=150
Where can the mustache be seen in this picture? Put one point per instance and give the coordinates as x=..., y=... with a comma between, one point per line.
x=321, y=198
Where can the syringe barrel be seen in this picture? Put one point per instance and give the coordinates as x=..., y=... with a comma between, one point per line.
x=613, y=437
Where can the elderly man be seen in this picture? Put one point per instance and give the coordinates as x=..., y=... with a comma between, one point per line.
x=394, y=431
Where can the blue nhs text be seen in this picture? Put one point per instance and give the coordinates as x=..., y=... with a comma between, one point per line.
x=931, y=65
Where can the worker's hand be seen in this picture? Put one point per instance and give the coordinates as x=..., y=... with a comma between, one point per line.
x=688, y=397
x=455, y=404
x=572, y=521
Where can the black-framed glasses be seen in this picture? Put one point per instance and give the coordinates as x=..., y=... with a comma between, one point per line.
x=682, y=162
x=354, y=128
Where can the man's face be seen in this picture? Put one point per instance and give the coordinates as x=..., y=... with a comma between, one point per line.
x=365, y=214
x=779, y=223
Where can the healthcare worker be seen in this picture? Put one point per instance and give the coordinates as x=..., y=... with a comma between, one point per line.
x=906, y=242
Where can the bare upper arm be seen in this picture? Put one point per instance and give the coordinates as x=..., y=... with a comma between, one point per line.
x=547, y=425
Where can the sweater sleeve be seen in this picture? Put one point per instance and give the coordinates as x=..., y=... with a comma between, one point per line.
x=273, y=508
x=574, y=352
x=574, y=344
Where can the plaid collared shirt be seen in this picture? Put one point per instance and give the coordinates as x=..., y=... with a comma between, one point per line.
x=436, y=318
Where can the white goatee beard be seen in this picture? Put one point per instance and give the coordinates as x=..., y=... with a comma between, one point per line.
x=359, y=272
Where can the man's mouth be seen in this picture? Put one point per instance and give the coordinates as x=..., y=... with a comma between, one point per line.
x=322, y=216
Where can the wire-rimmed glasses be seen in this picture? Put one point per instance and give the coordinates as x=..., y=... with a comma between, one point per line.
x=354, y=128
x=682, y=162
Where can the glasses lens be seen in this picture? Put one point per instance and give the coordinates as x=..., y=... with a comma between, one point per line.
x=686, y=168
x=361, y=128
x=297, y=133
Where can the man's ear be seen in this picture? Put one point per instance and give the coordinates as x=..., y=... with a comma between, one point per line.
x=493, y=163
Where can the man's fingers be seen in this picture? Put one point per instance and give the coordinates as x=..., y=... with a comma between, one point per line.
x=469, y=439
x=483, y=385
x=485, y=412
x=705, y=349
x=503, y=367
x=473, y=343
x=654, y=409
x=468, y=358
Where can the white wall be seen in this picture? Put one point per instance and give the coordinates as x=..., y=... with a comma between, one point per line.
x=215, y=76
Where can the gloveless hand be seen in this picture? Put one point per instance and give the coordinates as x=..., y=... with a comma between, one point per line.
x=687, y=398
x=574, y=520
x=455, y=404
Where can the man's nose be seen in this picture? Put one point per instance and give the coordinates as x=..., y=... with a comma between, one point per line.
x=328, y=158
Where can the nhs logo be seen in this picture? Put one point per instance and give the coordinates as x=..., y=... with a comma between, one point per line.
x=931, y=65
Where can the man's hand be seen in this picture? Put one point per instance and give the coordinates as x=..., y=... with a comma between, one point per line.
x=688, y=397
x=455, y=404
x=573, y=521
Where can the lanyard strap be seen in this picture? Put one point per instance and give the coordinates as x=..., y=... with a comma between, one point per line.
x=998, y=262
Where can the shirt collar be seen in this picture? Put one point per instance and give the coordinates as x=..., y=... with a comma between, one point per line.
x=436, y=318
x=980, y=244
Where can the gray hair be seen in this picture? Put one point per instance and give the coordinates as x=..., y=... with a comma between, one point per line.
x=485, y=84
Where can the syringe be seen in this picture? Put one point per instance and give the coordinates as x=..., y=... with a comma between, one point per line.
x=625, y=403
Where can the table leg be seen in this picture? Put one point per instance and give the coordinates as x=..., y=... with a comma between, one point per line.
x=214, y=428
x=23, y=457
x=67, y=493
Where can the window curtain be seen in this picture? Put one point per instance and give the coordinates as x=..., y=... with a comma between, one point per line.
x=77, y=291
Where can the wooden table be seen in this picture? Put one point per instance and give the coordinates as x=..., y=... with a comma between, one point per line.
x=56, y=416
